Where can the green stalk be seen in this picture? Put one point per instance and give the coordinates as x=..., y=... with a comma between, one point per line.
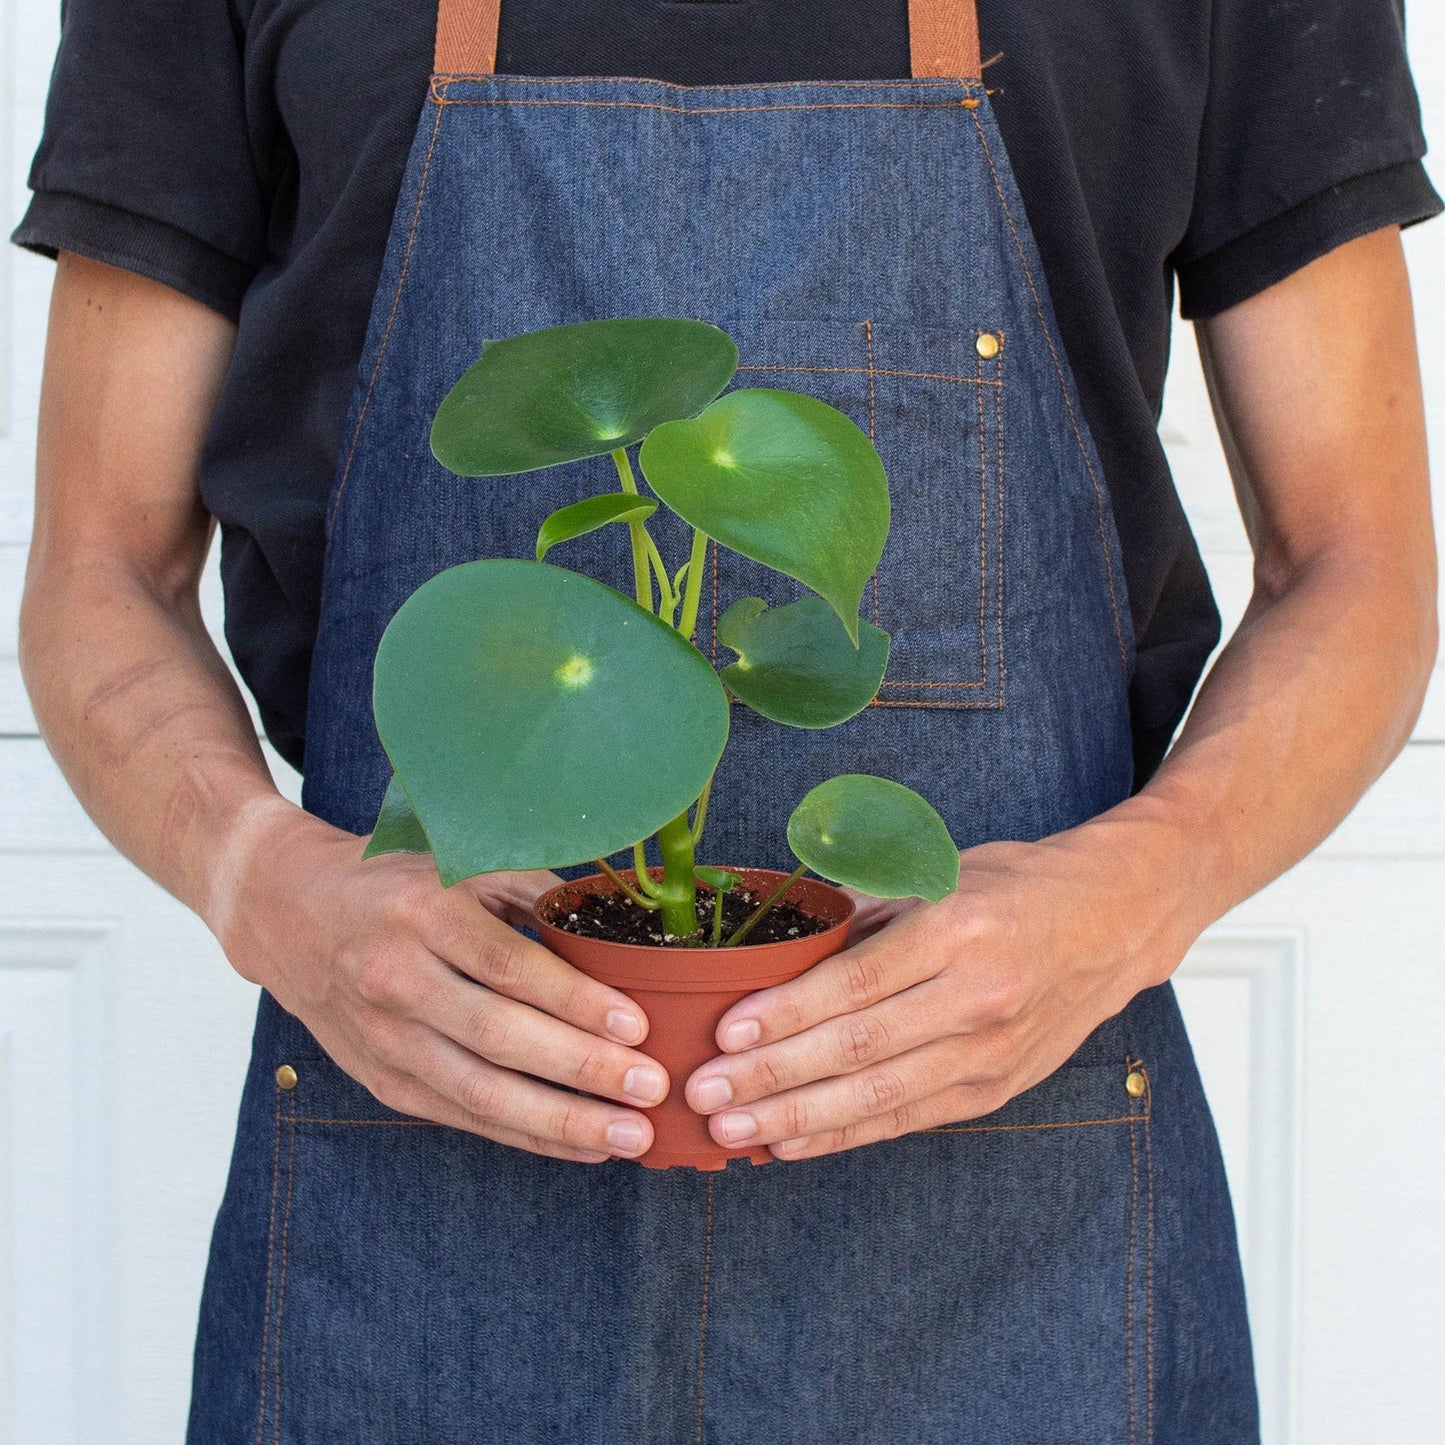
x=699, y=815
x=717, y=907
x=644, y=877
x=766, y=907
x=641, y=570
x=692, y=595
x=625, y=886
x=677, y=894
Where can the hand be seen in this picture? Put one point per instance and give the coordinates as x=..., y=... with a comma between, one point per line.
x=428, y=997
x=943, y=1012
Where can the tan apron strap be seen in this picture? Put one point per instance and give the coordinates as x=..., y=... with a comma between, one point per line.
x=942, y=36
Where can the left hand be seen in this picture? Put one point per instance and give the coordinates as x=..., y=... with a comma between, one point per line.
x=941, y=1012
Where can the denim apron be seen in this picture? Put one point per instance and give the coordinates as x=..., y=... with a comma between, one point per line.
x=1063, y=1271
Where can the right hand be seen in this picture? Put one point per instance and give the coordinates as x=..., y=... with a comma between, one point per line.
x=428, y=996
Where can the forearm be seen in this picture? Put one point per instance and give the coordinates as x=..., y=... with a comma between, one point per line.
x=1313, y=696
x=144, y=720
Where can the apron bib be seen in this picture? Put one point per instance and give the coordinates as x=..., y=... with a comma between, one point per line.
x=1061, y=1272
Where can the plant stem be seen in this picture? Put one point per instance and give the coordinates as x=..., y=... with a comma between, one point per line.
x=667, y=607
x=626, y=887
x=699, y=815
x=644, y=877
x=677, y=894
x=641, y=571
x=763, y=909
x=692, y=594
x=717, y=907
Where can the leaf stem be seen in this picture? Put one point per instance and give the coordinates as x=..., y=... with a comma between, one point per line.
x=641, y=571
x=763, y=909
x=645, y=883
x=649, y=903
x=699, y=814
x=692, y=595
x=678, y=894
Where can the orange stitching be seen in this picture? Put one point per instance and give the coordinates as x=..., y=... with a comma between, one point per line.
x=281, y=1287
x=876, y=371
x=982, y=521
x=714, y=604
x=318, y=1119
x=919, y=702
x=998, y=415
x=270, y=1261
x=1149, y=1275
x=1012, y=1128
x=1064, y=392
x=872, y=435
x=442, y=100
x=702, y=1310
x=1129, y=1277
x=922, y=82
x=386, y=335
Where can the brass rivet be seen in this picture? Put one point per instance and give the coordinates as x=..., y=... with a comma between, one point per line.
x=286, y=1077
x=1136, y=1083
x=988, y=345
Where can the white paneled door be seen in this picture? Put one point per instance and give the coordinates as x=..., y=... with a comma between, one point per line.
x=1315, y=1009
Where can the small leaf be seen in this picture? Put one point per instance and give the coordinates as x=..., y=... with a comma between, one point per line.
x=582, y=390
x=717, y=878
x=875, y=835
x=782, y=478
x=538, y=718
x=588, y=515
x=398, y=829
x=796, y=665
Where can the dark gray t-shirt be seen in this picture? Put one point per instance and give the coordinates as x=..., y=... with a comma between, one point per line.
x=249, y=153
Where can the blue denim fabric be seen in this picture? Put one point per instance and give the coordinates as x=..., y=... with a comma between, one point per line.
x=1064, y=1270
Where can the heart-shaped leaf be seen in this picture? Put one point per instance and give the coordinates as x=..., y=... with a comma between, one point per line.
x=784, y=479
x=876, y=836
x=537, y=718
x=796, y=665
x=588, y=515
x=576, y=391
x=398, y=829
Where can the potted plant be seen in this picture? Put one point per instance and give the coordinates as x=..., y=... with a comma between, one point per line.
x=538, y=718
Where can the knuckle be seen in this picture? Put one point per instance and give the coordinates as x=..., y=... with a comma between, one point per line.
x=500, y=963
x=795, y=1119
x=378, y=979
x=766, y=1076
x=862, y=977
x=570, y=1123
x=880, y=1091
x=479, y=1093
x=902, y=1120
x=487, y=1030
x=1000, y=998
x=863, y=1038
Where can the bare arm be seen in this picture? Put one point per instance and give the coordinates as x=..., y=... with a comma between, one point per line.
x=425, y=995
x=947, y=1011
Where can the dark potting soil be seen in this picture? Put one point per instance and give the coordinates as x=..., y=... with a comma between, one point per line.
x=617, y=919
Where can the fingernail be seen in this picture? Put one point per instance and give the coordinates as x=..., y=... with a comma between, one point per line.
x=625, y=1027
x=625, y=1136
x=742, y=1034
x=712, y=1093
x=789, y=1147
x=644, y=1084
x=737, y=1127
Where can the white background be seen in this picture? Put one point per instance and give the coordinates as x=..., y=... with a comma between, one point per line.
x=1315, y=1008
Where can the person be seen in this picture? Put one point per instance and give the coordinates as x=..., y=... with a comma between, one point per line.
x=998, y=1209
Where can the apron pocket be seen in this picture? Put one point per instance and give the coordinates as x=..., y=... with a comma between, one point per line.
x=931, y=399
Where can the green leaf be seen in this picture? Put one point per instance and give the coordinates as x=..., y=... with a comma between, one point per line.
x=796, y=665
x=718, y=878
x=876, y=836
x=588, y=515
x=398, y=829
x=577, y=391
x=538, y=718
x=784, y=479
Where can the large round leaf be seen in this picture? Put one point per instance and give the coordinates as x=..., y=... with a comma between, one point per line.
x=577, y=391
x=537, y=718
x=796, y=665
x=876, y=836
x=784, y=479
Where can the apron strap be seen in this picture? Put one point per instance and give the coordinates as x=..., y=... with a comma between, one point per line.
x=942, y=38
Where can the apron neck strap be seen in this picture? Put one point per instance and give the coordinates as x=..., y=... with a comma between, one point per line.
x=942, y=38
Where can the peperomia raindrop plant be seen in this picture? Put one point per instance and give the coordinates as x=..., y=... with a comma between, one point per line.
x=537, y=718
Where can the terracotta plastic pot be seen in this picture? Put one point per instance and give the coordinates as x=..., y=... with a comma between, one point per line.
x=685, y=991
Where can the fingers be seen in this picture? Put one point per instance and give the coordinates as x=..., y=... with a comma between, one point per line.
x=511, y=895
x=486, y=1099
x=836, y=1046
x=911, y=949
x=887, y=1096
x=520, y=1037
x=460, y=930
x=955, y=1105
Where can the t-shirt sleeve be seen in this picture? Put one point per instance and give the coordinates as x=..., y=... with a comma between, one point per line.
x=144, y=161
x=1311, y=137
